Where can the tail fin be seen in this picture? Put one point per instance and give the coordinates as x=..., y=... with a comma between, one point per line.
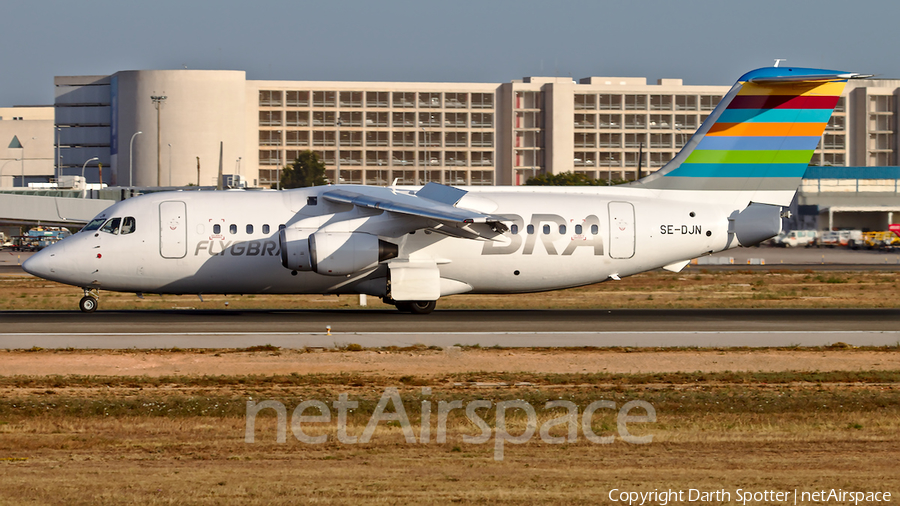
x=760, y=138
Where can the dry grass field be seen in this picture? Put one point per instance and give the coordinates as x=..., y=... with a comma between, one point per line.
x=168, y=427
x=123, y=439
x=692, y=288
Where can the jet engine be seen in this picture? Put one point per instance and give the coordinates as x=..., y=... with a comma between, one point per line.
x=333, y=253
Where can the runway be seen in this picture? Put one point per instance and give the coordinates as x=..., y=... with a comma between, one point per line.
x=507, y=328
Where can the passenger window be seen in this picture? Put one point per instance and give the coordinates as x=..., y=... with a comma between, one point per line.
x=128, y=225
x=530, y=229
x=217, y=229
x=577, y=229
x=232, y=228
x=595, y=229
x=265, y=229
x=249, y=229
x=514, y=229
x=311, y=201
x=281, y=227
x=111, y=226
x=546, y=229
x=562, y=229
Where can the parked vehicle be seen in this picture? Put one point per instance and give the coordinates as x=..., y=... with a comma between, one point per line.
x=852, y=238
x=881, y=240
x=795, y=238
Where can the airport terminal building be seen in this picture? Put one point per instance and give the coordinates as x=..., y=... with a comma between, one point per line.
x=166, y=127
x=375, y=132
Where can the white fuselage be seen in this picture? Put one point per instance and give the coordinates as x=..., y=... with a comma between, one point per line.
x=228, y=242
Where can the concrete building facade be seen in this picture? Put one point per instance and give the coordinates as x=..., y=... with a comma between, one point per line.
x=376, y=132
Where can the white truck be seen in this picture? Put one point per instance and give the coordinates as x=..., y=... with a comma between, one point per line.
x=795, y=238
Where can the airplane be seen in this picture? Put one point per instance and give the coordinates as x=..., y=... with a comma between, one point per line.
x=412, y=245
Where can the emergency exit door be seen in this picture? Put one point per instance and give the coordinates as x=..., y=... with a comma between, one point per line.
x=621, y=230
x=172, y=229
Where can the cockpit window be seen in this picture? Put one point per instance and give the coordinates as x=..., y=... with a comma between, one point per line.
x=93, y=225
x=111, y=226
x=128, y=225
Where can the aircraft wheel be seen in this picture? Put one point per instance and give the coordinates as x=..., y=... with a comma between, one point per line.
x=422, y=306
x=88, y=304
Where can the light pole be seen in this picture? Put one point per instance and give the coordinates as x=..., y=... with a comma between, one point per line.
x=170, y=164
x=58, y=155
x=85, y=165
x=427, y=160
x=4, y=165
x=131, y=157
x=338, y=160
x=157, y=101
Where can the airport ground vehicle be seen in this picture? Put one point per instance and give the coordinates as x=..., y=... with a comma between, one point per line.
x=39, y=238
x=881, y=240
x=851, y=238
x=795, y=238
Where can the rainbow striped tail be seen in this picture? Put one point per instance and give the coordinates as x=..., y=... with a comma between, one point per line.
x=760, y=138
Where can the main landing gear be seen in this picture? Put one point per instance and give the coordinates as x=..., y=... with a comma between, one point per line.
x=88, y=303
x=416, y=307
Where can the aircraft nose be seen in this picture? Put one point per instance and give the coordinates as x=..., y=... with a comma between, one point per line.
x=41, y=264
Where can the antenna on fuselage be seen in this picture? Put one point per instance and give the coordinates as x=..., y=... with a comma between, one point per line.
x=779, y=60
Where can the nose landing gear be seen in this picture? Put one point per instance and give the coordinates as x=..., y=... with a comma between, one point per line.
x=88, y=303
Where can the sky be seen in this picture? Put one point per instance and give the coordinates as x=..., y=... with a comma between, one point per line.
x=701, y=41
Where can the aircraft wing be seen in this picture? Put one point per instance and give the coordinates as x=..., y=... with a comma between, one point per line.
x=434, y=202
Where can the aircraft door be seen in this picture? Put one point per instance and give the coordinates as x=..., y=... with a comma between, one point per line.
x=172, y=229
x=621, y=230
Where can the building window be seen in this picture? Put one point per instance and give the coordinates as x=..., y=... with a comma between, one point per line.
x=661, y=102
x=455, y=139
x=377, y=119
x=269, y=98
x=610, y=102
x=456, y=100
x=482, y=159
x=297, y=99
x=606, y=121
x=269, y=118
x=377, y=99
x=297, y=118
x=482, y=177
x=403, y=119
x=482, y=139
x=635, y=121
x=430, y=119
x=482, y=120
x=429, y=99
x=297, y=138
x=685, y=102
x=351, y=99
x=456, y=120
x=403, y=139
x=482, y=100
x=324, y=138
x=270, y=137
x=661, y=121
x=709, y=102
x=324, y=98
x=585, y=140
x=835, y=123
x=404, y=99
x=403, y=158
x=588, y=121
x=376, y=139
x=585, y=102
x=323, y=118
x=610, y=140
x=660, y=141
x=633, y=102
